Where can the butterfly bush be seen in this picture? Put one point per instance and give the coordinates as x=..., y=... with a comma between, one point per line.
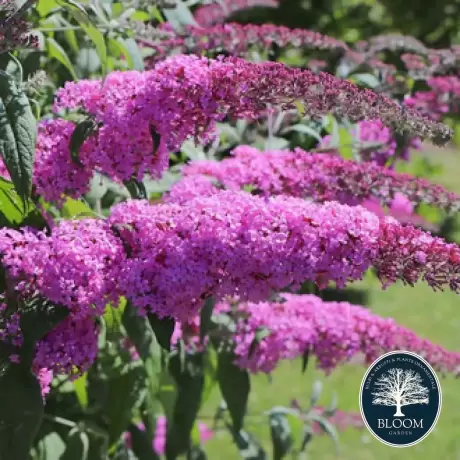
x=70, y=348
x=167, y=259
x=76, y=266
x=441, y=99
x=333, y=332
x=376, y=143
x=141, y=116
x=218, y=12
x=17, y=33
x=238, y=39
x=301, y=174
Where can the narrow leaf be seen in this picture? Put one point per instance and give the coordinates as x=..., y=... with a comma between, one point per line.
x=77, y=445
x=83, y=130
x=281, y=435
x=163, y=329
x=234, y=385
x=141, y=334
x=81, y=391
x=56, y=51
x=125, y=396
x=205, y=318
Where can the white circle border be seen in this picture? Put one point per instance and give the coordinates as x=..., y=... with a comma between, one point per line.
x=361, y=392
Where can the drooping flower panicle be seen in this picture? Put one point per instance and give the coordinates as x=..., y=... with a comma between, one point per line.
x=238, y=39
x=218, y=12
x=298, y=173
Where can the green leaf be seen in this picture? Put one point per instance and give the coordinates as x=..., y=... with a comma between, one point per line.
x=38, y=317
x=327, y=427
x=260, y=334
x=95, y=35
x=163, y=329
x=18, y=135
x=281, y=435
x=113, y=315
x=77, y=445
x=249, y=448
x=190, y=381
x=205, y=318
x=305, y=357
x=210, y=373
x=81, y=391
x=76, y=209
x=141, y=444
x=346, y=142
x=56, y=51
x=21, y=412
x=11, y=209
x=179, y=16
x=83, y=130
x=142, y=336
x=125, y=396
x=168, y=395
x=136, y=189
x=196, y=453
x=316, y=392
x=129, y=49
x=235, y=386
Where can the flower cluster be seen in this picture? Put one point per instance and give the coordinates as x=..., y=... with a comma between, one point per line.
x=76, y=266
x=236, y=244
x=14, y=29
x=70, y=348
x=141, y=116
x=377, y=143
x=216, y=13
x=442, y=98
x=167, y=259
x=333, y=332
x=237, y=39
x=301, y=174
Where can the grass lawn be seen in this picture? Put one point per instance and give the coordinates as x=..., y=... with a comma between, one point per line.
x=435, y=316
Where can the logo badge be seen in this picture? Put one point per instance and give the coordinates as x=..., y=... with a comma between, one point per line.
x=400, y=399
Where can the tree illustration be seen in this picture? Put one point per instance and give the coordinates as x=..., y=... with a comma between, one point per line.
x=399, y=387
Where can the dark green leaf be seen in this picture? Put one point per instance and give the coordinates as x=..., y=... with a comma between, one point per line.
x=18, y=135
x=163, y=329
x=83, y=130
x=77, y=445
x=125, y=396
x=307, y=437
x=21, y=412
x=305, y=358
x=190, y=382
x=196, y=453
x=142, y=444
x=136, y=189
x=260, y=334
x=156, y=138
x=281, y=435
x=205, y=318
x=168, y=395
x=234, y=384
x=141, y=334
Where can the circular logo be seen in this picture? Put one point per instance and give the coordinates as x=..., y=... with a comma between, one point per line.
x=400, y=399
